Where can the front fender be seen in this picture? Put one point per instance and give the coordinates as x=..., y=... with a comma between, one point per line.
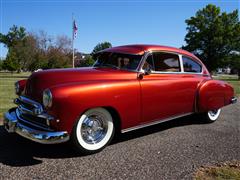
x=71, y=100
x=214, y=94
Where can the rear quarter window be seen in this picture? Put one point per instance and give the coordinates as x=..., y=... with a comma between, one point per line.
x=190, y=65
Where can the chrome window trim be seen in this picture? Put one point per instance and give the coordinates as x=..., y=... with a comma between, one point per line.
x=181, y=62
x=144, y=57
x=154, y=122
x=146, y=54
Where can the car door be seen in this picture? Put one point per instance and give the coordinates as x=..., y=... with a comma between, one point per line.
x=166, y=91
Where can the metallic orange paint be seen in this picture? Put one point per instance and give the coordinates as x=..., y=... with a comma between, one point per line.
x=214, y=94
x=137, y=98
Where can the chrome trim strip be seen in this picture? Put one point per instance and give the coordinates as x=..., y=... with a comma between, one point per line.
x=154, y=123
x=181, y=63
x=38, y=109
x=25, y=110
x=29, y=101
x=44, y=137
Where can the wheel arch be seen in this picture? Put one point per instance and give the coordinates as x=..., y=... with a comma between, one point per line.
x=116, y=118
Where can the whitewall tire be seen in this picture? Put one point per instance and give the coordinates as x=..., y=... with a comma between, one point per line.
x=93, y=131
x=212, y=116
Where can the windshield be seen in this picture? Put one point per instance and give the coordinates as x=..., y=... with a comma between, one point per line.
x=117, y=60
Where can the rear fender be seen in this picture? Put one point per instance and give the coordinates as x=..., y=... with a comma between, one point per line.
x=214, y=94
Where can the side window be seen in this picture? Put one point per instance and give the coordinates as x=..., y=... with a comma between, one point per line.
x=190, y=65
x=166, y=62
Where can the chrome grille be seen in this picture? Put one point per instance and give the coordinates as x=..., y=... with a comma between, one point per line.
x=31, y=113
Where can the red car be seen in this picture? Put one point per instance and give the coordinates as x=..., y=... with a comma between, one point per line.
x=128, y=87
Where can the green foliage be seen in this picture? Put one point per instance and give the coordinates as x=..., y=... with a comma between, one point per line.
x=11, y=62
x=57, y=59
x=87, y=62
x=29, y=52
x=213, y=35
x=13, y=40
x=234, y=62
x=14, y=35
x=32, y=51
x=1, y=64
x=101, y=46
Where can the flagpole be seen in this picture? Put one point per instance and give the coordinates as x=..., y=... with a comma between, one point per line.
x=72, y=41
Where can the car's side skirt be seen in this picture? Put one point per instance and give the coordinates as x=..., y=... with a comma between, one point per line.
x=154, y=122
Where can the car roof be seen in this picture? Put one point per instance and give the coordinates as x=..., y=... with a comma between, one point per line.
x=140, y=49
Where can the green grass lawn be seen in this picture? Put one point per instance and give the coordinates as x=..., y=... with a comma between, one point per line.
x=7, y=91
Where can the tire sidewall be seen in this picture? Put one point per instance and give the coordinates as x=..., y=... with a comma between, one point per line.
x=213, y=118
x=91, y=148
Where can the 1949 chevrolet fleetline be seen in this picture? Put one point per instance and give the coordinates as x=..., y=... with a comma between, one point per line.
x=128, y=87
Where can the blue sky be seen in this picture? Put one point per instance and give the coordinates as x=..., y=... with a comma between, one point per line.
x=119, y=22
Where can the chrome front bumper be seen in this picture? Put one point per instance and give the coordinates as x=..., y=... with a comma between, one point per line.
x=12, y=125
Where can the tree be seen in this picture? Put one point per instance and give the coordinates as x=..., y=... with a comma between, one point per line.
x=101, y=46
x=88, y=61
x=14, y=35
x=11, y=61
x=13, y=40
x=213, y=35
x=234, y=62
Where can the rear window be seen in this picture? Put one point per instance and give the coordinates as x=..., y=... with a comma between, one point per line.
x=190, y=65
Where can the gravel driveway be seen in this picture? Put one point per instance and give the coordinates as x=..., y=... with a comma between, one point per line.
x=171, y=150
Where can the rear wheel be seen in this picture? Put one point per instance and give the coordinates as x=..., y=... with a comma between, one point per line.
x=93, y=131
x=212, y=116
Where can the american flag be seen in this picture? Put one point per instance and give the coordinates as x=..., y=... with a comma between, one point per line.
x=75, y=28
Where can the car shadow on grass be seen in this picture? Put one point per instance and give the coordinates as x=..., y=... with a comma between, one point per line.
x=17, y=151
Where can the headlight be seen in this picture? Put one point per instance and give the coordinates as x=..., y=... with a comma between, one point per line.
x=17, y=87
x=47, y=98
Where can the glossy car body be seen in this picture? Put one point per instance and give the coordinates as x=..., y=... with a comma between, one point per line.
x=135, y=98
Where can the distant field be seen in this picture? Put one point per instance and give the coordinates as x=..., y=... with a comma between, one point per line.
x=7, y=91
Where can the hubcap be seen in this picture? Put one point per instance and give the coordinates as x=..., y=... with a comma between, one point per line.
x=93, y=129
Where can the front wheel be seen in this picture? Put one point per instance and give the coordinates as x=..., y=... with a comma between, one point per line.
x=93, y=131
x=212, y=116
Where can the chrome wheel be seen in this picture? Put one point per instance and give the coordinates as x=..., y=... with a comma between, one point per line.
x=94, y=129
x=214, y=114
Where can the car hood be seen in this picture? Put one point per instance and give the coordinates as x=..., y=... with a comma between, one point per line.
x=39, y=81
